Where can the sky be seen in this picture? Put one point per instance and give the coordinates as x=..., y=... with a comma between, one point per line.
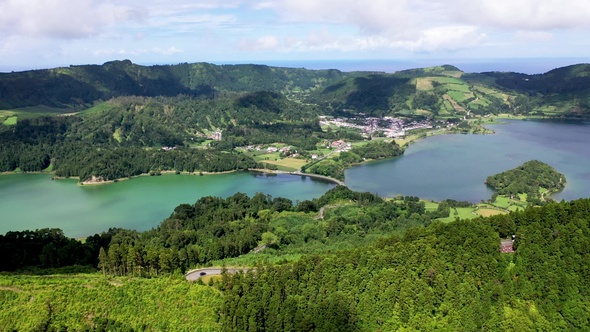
x=49, y=33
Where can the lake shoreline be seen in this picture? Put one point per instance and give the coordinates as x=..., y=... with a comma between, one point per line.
x=316, y=176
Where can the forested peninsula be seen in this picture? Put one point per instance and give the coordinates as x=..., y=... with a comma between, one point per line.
x=534, y=179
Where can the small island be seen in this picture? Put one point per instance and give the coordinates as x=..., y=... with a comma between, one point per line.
x=532, y=182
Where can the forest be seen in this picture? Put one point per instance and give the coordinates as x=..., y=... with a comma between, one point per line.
x=391, y=267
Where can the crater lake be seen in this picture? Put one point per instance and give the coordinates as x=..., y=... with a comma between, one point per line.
x=438, y=167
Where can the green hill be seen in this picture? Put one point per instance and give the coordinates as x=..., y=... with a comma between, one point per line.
x=76, y=87
x=435, y=91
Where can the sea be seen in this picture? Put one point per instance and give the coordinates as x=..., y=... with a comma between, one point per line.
x=529, y=66
x=469, y=65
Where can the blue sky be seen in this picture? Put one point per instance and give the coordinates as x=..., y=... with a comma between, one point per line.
x=49, y=33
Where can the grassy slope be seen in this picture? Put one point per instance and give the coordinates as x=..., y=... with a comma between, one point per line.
x=79, y=302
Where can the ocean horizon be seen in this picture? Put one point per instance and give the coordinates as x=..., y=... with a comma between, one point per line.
x=520, y=65
x=469, y=65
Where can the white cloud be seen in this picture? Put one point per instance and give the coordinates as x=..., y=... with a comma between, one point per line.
x=429, y=25
x=390, y=16
x=526, y=14
x=263, y=43
x=63, y=18
x=449, y=38
x=534, y=36
x=135, y=52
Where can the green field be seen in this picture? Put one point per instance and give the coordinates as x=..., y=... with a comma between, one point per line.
x=459, y=96
x=87, y=301
x=287, y=164
x=41, y=109
x=486, y=212
x=10, y=121
x=461, y=213
x=430, y=205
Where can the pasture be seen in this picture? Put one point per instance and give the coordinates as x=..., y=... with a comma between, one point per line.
x=287, y=164
x=10, y=121
x=486, y=212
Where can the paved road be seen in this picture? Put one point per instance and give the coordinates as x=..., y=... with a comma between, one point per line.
x=209, y=271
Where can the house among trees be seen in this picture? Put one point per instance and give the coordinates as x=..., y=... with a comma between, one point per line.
x=216, y=136
x=338, y=144
x=506, y=246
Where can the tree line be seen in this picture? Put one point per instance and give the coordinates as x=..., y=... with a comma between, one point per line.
x=443, y=276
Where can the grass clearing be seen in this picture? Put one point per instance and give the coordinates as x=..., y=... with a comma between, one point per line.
x=430, y=205
x=447, y=80
x=461, y=213
x=486, y=212
x=515, y=208
x=117, y=135
x=98, y=108
x=206, y=279
x=459, y=96
x=41, y=109
x=267, y=157
x=287, y=164
x=424, y=84
x=10, y=121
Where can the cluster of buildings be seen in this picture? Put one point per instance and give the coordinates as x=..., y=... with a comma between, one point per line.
x=272, y=149
x=340, y=146
x=390, y=126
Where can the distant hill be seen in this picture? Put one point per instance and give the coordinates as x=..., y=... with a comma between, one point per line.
x=563, y=90
x=79, y=86
x=443, y=91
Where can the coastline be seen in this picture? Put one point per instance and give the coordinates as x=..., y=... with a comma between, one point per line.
x=98, y=181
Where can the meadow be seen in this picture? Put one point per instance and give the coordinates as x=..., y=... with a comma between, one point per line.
x=93, y=302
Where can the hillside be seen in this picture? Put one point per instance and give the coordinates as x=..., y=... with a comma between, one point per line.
x=443, y=92
x=562, y=91
x=435, y=91
x=77, y=87
x=413, y=276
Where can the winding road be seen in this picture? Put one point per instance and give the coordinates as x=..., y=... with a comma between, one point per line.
x=210, y=271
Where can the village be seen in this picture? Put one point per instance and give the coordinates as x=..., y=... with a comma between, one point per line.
x=389, y=126
x=281, y=154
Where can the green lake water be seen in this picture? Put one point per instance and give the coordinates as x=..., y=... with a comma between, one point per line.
x=456, y=166
x=32, y=201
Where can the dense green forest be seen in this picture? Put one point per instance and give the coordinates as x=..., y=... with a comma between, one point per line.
x=443, y=276
x=534, y=178
x=422, y=275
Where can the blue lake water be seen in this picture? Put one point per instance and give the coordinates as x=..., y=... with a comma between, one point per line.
x=456, y=166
